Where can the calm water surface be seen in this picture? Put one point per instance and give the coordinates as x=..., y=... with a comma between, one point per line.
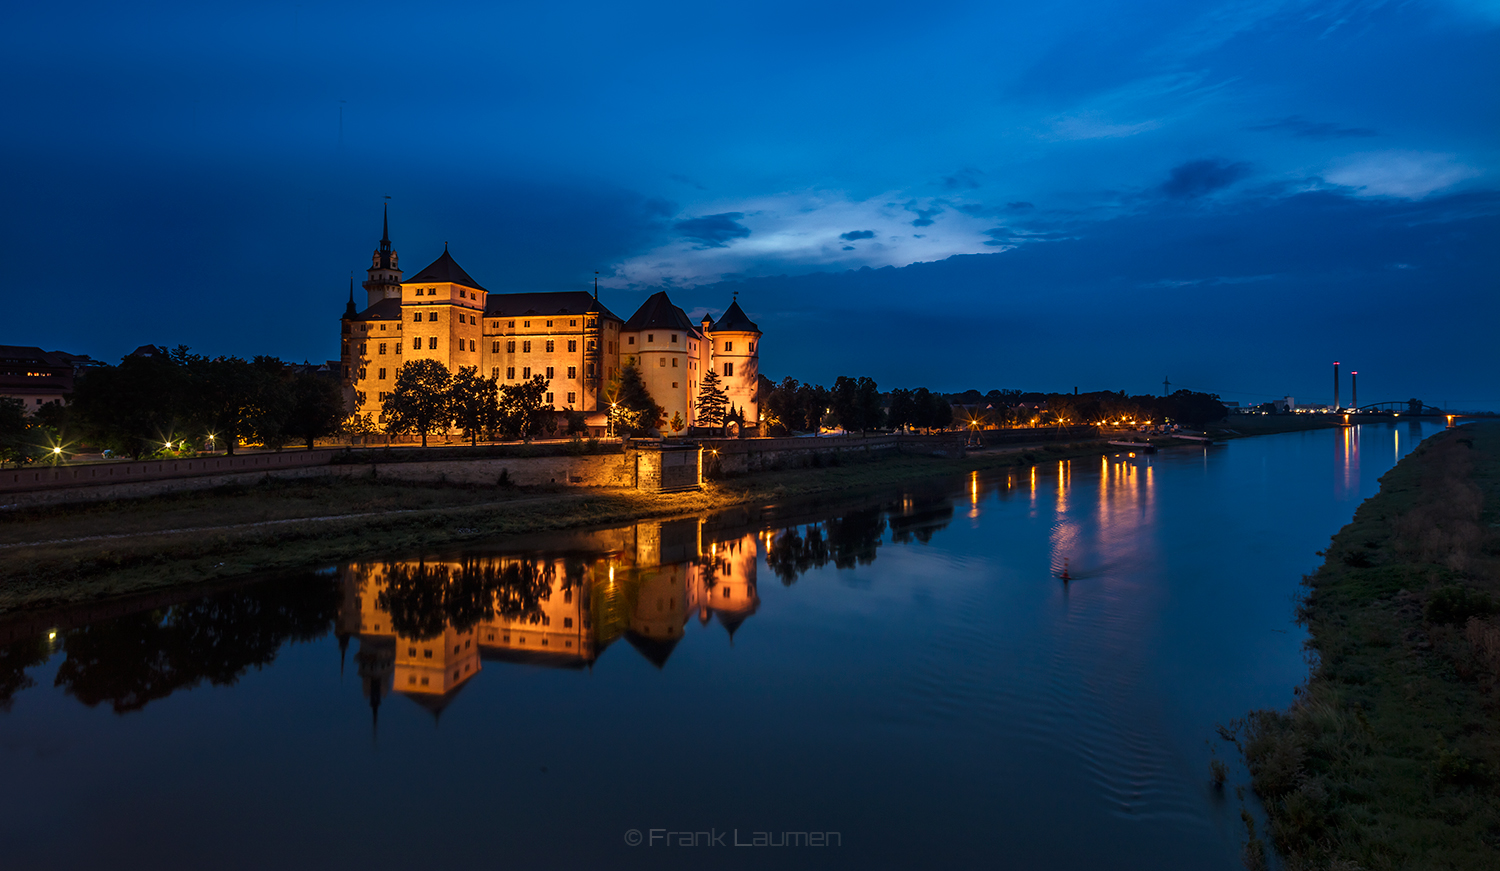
x=907, y=672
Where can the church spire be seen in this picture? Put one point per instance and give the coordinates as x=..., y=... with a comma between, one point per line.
x=349, y=310
x=385, y=234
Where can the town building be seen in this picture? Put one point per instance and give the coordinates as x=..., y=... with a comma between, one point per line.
x=37, y=377
x=569, y=337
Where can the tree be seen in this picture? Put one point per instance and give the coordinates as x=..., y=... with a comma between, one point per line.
x=903, y=409
x=711, y=400
x=22, y=437
x=419, y=401
x=316, y=408
x=135, y=407
x=633, y=410
x=780, y=408
x=677, y=423
x=224, y=394
x=844, y=399
x=471, y=398
x=578, y=423
x=524, y=411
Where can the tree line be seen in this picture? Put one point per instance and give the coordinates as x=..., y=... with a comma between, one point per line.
x=175, y=401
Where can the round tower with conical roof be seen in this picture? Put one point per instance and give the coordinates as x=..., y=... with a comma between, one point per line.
x=734, y=348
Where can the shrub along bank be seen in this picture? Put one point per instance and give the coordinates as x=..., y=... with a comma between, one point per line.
x=1390, y=758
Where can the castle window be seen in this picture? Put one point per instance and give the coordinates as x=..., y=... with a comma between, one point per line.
x=728, y=346
x=427, y=654
x=573, y=323
x=572, y=371
x=495, y=325
x=526, y=373
x=752, y=347
x=432, y=343
x=510, y=324
x=382, y=326
x=662, y=361
x=362, y=351
x=650, y=337
x=420, y=291
x=549, y=402
x=526, y=347
x=416, y=343
x=591, y=371
x=463, y=294
x=551, y=346
x=549, y=323
x=674, y=385
x=510, y=373
x=382, y=347
x=572, y=398
x=674, y=362
x=674, y=338
x=549, y=373
x=572, y=345
x=362, y=373
x=495, y=373
x=526, y=323
x=381, y=377
x=432, y=316
x=471, y=344
x=510, y=347
x=398, y=347
x=630, y=341
x=495, y=347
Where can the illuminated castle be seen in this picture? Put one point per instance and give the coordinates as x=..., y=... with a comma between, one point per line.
x=569, y=337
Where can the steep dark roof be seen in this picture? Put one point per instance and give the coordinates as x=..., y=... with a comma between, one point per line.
x=388, y=309
x=734, y=320
x=656, y=650
x=559, y=302
x=445, y=268
x=658, y=313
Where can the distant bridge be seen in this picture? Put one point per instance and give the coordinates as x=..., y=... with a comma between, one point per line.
x=1411, y=407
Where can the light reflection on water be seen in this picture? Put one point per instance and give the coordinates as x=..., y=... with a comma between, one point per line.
x=933, y=690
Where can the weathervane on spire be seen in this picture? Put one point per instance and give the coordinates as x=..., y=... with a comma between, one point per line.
x=596, y=284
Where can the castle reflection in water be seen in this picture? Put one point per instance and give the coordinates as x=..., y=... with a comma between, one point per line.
x=425, y=628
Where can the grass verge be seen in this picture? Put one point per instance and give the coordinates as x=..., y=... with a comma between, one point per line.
x=1390, y=758
x=65, y=554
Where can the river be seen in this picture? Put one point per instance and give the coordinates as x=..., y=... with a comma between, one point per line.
x=892, y=682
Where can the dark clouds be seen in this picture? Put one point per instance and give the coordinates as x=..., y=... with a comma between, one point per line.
x=924, y=216
x=854, y=235
x=1300, y=126
x=713, y=231
x=965, y=179
x=1199, y=177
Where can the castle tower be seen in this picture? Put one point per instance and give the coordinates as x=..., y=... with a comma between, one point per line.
x=734, y=345
x=385, y=274
x=441, y=307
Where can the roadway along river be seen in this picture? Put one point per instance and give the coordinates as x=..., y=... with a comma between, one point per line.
x=896, y=682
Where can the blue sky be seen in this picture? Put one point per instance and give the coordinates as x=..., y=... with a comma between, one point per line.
x=979, y=195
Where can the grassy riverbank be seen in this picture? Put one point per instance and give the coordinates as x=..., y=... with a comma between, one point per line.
x=53, y=556
x=1390, y=758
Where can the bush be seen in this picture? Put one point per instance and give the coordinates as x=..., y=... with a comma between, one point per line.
x=1456, y=604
